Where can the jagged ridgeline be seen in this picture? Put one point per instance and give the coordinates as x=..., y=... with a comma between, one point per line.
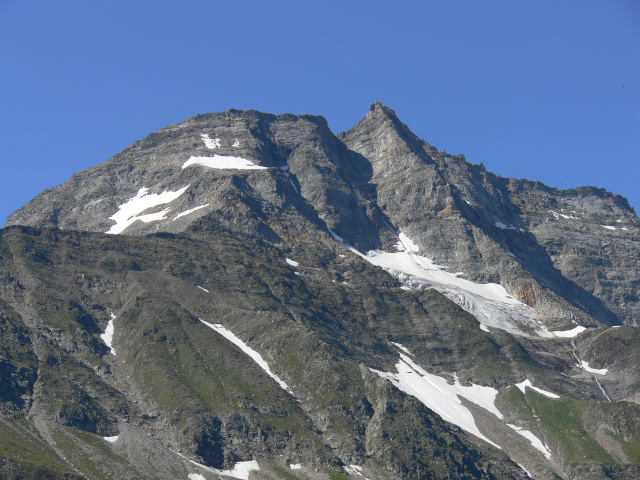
x=247, y=295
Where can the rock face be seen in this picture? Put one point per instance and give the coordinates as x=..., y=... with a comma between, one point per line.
x=246, y=287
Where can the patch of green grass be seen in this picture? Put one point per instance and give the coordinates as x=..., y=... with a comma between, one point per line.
x=20, y=443
x=333, y=475
x=285, y=474
x=560, y=420
x=632, y=450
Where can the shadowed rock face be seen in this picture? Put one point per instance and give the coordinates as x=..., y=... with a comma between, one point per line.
x=245, y=220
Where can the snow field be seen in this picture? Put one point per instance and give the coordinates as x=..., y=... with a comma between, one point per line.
x=601, y=371
x=128, y=212
x=221, y=162
x=441, y=397
x=240, y=470
x=191, y=210
x=527, y=383
x=569, y=333
x=107, y=336
x=535, y=441
x=353, y=470
x=111, y=439
x=403, y=348
x=489, y=303
x=248, y=350
x=295, y=466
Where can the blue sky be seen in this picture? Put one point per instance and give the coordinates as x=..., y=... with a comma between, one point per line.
x=545, y=90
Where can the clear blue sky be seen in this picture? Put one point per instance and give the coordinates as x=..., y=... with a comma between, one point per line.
x=545, y=90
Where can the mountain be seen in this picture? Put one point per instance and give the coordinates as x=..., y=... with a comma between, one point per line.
x=250, y=295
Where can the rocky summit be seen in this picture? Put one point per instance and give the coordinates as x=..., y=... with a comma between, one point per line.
x=247, y=295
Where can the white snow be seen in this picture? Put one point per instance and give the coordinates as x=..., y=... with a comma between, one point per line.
x=525, y=470
x=601, y=371
x=293, y=263
x=201, y=288
x=240, y=470
x=527, y=383
x=107, y=336
x=236, y=144
x=295, y=466
x=210, y=143
x=191, y=210
x=128, y=212
x=556, y=214
x=403, y=348
x=111, y=439
x=441, y=397
x=195, y=476
x=608, y=227
x=535, y=441
x=569, y=333
x=512, y=255
x=504, y=226
x=489, y=303
x=223, y=162
x=407, y=243
x=285, y=169
x=248, y=350
x=484, y=328
x=353, y=469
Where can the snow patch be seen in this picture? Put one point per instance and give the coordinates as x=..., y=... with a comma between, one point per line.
x=535, y=441
x=107, y=337
x=527, y=383
x=441, y=397
x=223, y=163
x=210, y=143
x=353, y=469
x=111, y=439
x=293, y=263
x=601, y=371
x=195, y=476
x=240, y=470
x=128, y=212
x=608, y=227
x=236, y=144
x=295, y=466
x=504, y=226
x=569, y=333
x=203, y=289
x=484, y=328
x=512, y=255
x=525, y=470
x=558, y=215
x=403, y=348
x=407, y=243
x=191, y=210
x=248, y=350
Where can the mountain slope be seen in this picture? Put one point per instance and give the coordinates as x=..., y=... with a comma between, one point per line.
x=244, y=290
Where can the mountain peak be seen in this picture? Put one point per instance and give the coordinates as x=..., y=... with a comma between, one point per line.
x=274, y=297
